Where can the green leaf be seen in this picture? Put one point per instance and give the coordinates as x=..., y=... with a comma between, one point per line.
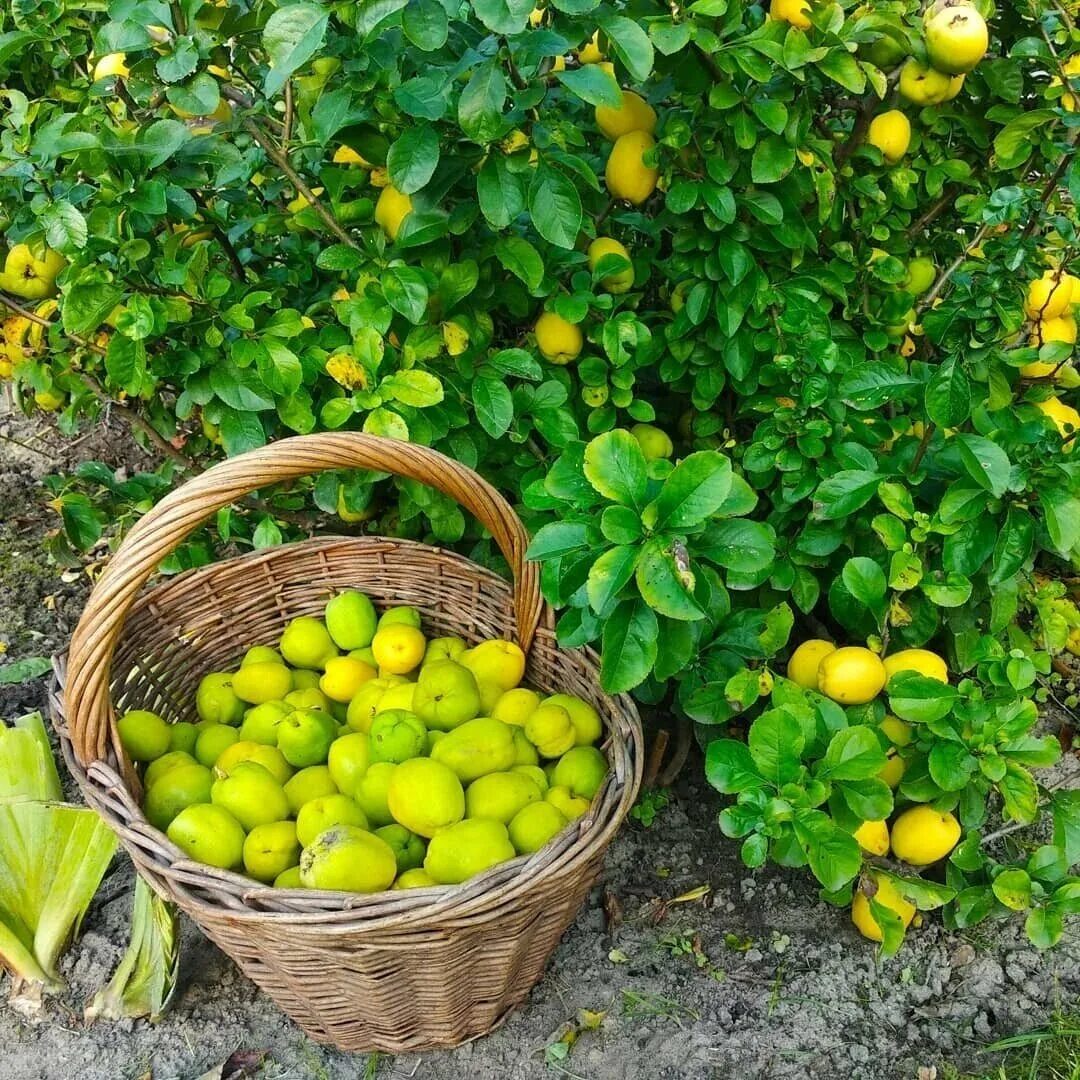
x=746, y=547
x=481, y=102
x=609, y=575
x=773, y=159
x=411, y=161
x=665, y=581
x=559, y=538
x=500, y=192
x=1013, y=889
x=840, y=66
x=833, y=854
x=1065, y=811
x=65, y=227
x=593, y=84
x=868, y=800
x=776, y=740
x=951, y=592
x=1014, y=144
x=1044, y=927
x=555, y=207
x=629, y=646
x=951, y=765
x=865, y=580
x=729, y=767
x=425, y=24
x=125, y=363
x=1015, y=542
x=696, y=489
x=920, y=700
x=853, y=753
x=85, y=306
x=630, y=44
x=1019, y=793
x=503, y=16
x=948, y=395
x=522, y=260
x=843, y=493
x=418, y=389
x=406, y=291
x=20, y=671
x=985, y=462
x=616, y=467
x=494, y=406
x=869, y=386
x=292, y=36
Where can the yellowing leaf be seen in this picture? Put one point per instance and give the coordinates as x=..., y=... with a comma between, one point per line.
x=455, y=338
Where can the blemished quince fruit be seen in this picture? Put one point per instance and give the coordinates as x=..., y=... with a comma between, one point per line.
x=305, y=735
x=516, y=706
x=793, y=12
x=923, y=85
x=29, y=277
x=261, y=723
x=1066, y=419
x=398, y=648
x=956, y=39
x=496, y=662
x=802, y=668
x=348, y=859
x=251, y=795
x=307, y=784
x=391, y=209
x=446, y=695
x=209, y=834
x=925, y=662
x=372, y=792
x=634, y=114
x=408, y=848
x=886, y=894
x=467, y=848
x=322, y=813
x=655, y=443
x=349, y=758
x=476, y=748
x=581, y=769
x=306, y=643
x=344, y=677
x=111, y=65
x=923, y=835
x=627, y=175
x=534, y=825
x=263, y=681
x=873, y=837
x=551, y=730
x=351, y=620
x=144, y=735
x=425, y=796
x=213, y=740
x=499, y=796
x=622, y=280
x=559, y=341
x=184, y=786
x=397, y=736
x=890, y=132
x=851, y=676
x=270, y=849
x=215, y=700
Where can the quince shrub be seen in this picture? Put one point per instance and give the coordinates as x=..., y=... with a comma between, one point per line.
x=742, y=347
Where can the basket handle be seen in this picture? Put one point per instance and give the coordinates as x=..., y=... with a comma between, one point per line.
x=87, y=702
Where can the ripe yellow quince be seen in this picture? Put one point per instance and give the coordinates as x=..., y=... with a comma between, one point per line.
x=621, y=281
x=791, y=11
x=590, y=53
x=1066, y=418
x=1049, y=296
x=634, y=114
x=627, y=175
x=956, y=39
x=890, y=132
x=346, y=155
x=27, y=276
x=886, y=894
x=922, y=85
x=559, y=341
x=391, y=210
x=923, y=835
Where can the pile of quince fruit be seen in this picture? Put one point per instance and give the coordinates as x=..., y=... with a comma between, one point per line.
x=918, y=835
x=360, y=756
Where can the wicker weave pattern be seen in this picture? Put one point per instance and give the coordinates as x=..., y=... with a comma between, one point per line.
x=394, y=971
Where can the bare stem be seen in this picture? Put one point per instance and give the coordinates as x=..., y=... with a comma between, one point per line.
x=947, y=273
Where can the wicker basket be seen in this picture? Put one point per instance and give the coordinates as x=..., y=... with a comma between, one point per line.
x=395, y=971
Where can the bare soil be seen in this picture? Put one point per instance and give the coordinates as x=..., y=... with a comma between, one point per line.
x=758, y=979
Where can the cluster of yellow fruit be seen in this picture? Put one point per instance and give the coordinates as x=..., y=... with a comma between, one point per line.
x=360, y=756
x=956, y=38
x=21, y=337
x=919, y=835
x=1050, y=304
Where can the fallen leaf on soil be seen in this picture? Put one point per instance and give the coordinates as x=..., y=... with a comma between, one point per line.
x=237, y=1066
